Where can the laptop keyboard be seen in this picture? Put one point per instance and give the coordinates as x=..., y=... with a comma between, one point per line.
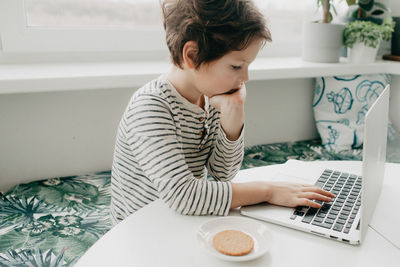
x=340, y=213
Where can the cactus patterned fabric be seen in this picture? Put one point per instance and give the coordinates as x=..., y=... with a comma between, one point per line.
x=340, y=105
x=53, y=222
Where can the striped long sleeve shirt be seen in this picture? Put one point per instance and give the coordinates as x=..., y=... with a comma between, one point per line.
x=165, y=148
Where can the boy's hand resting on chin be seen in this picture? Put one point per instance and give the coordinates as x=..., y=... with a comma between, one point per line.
x=231, y=106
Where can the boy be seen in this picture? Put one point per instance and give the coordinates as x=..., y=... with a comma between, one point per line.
x=189, y=123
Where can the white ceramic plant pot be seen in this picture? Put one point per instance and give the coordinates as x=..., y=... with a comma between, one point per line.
x=361, y=54
x=322, y=42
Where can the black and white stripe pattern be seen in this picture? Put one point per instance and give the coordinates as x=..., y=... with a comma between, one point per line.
x=164, y=148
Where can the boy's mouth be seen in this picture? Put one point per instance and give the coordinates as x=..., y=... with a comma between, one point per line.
x=232, y=91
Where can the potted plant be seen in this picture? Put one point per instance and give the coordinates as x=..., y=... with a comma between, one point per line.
x=322, y=40
x=371, y=10
x=363, y=39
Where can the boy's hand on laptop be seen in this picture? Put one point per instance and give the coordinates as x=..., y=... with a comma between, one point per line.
x=231, y=106
x=293, y=195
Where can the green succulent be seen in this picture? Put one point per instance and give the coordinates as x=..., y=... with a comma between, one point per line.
x=367, y=32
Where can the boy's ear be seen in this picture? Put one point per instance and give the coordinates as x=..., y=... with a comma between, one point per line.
x=189, y=53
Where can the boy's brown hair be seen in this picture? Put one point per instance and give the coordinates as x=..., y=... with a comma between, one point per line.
x=217, y=26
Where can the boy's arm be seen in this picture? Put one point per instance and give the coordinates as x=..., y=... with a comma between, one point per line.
x=227, y=155
x=278, y=193
x=231, y=106
x=154, y=145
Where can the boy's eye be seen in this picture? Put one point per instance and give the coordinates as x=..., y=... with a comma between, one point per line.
x=236, y=67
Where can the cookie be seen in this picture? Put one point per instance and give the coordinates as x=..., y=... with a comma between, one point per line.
x=233, y=243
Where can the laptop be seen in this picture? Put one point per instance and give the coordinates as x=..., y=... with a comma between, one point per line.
x=346, y=218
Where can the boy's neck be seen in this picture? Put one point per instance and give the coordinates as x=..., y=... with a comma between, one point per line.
x=182, y=82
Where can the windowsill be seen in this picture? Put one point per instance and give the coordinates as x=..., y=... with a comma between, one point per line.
x=24, y=78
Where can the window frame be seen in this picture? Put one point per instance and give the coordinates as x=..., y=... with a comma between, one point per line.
x=18, y=38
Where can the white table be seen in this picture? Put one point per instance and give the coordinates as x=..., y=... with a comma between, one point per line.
x=158, y=236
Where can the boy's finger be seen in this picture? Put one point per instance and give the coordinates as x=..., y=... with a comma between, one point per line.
x=317, y=190
x=309, y=203
x=316, y=196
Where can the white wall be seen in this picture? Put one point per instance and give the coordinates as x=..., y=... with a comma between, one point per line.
x=279, y=111
x=57, y=134
x=394, y=7
x=66, y=133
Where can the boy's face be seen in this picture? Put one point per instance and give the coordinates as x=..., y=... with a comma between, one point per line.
x=227, y=73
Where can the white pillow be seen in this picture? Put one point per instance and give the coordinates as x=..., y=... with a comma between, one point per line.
x=340, y=105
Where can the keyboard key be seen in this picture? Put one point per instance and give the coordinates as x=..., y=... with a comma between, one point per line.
x=299, y=213
x=338, y=227
x=339, y=203
x=326, y=225
x=348, y=204
x=334, y=212
x=309, y=215
x=329, y=221
x=345, y=213
x=318, y=219
x=331, y=216
x=316, y=223
x=347, y=208
x=335, y=208
x=326, y=207
x=327, y=187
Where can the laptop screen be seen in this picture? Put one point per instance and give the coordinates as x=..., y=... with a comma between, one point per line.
x=374, y=157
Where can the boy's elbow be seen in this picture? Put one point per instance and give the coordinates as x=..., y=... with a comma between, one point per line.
x=182, y=210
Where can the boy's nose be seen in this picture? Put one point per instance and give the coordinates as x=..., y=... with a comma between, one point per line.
x=245, y=77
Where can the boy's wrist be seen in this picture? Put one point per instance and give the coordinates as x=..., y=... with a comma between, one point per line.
x=250, y=193
x=232, y=121
x=233, y=136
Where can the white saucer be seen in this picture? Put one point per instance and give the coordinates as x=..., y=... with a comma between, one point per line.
x=258, y=231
